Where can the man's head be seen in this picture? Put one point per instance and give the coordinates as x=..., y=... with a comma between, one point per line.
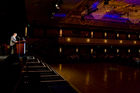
x=15, y=34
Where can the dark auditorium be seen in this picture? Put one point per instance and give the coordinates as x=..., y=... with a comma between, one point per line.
x=70, y=46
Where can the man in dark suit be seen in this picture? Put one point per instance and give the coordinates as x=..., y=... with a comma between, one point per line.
x=13, y=41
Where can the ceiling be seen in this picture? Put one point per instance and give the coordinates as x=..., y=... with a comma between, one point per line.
x=42, y=11
x=122, y=10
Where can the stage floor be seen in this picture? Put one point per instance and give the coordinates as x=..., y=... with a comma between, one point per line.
x=100, y=77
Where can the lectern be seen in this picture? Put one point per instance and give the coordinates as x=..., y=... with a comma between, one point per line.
x=21, y=48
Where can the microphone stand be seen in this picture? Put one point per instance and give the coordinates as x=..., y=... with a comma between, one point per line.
x=24, y=46
x=19, y=46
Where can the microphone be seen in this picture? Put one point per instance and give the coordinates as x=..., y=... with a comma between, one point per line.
x=23, y=38
x=18, y=37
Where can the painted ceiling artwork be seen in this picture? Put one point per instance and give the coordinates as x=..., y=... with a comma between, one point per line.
x=68, y=11
x=114, y=10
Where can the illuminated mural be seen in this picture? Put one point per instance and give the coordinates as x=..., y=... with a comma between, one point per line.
x=115, y=10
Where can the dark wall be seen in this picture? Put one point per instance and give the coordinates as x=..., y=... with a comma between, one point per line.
x=12, y=18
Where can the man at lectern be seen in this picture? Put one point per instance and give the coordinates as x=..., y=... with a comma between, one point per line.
x=13, y=42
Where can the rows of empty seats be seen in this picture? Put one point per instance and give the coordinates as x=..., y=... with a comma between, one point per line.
x=39, y=77
x=99, y=53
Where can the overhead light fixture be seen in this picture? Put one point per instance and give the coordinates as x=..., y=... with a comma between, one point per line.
x=105, y=34
x=92, y=34
x=139, y=50
x=129, y=50
x=118, y=34
x=57, y=6
x=105, y=41
x=135, y=42
x=121, y=41
x=60, y=32
x=60, y=50
x=88, y=40
x=91, y=50
x=77, y=50
x=105, y=50
x=118, y=50
x=68, y=39
x=129, y=35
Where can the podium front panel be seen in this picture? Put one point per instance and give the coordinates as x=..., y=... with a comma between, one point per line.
x=20, y=48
